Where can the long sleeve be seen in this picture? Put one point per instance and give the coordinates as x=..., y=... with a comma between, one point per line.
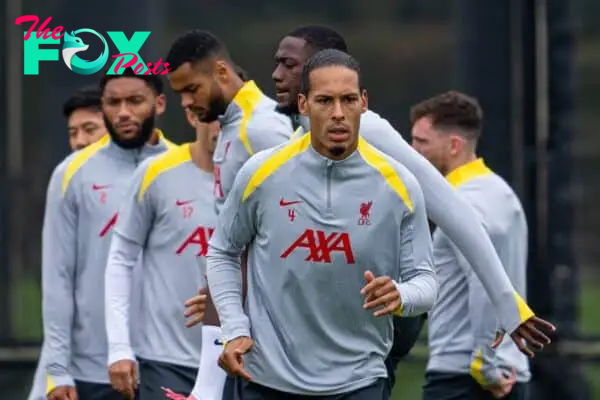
x=418, y=285
x=131, y=231
x=463, y=228
x=235, y=229
x=484, y=325
x=59, y=257
x=122, y=258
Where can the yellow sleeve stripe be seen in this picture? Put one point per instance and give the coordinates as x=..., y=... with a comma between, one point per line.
x=377, y=161
x=247, y=98
x=164, y=162
x=80, y=159
x=525, y=313
x=274, y=162
x=50, y=386
x=477, y=368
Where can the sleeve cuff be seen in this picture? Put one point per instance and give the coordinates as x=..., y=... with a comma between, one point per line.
x=483, y=367
x=54, y=381
x=120, y=353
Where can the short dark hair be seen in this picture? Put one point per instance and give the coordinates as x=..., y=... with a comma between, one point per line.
x=320, y=37
x=195, y=46
x=87, y=97
x=327, y=58
x=451, y=110
x=153, y=81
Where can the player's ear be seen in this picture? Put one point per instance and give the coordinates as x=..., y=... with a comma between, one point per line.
x=302, y=104
x=364, y=100
x=160, y=105
x=220, y=70
x=457, y=143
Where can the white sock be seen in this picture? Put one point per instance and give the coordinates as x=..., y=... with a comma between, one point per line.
x=211, y=378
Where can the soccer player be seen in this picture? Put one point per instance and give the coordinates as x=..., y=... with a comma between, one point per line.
x=85, y=122
x=85, y=126
x=203, y=73
x=293, y=51
x=332, y=254
x=166, y=221
x=462, y=324
x=208, y=81
x=463, y=228
x=84, y=195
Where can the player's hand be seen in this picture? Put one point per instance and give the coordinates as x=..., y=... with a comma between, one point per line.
x=504, y=386
x=232, y=357
x=194, y=309
x=63, y=393
x=380, y=291
x=530, y=336
x=123, y=377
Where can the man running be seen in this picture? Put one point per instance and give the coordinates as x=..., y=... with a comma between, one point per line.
x=83, y=198
x=332, y=254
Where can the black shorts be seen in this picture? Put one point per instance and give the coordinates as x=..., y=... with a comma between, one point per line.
x=444, y=386
x=406, y=333
x=251, y=391
x=96, y=391
x=154, y=375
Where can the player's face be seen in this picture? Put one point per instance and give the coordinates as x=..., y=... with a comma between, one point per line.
x=85, y=126
x=430, y=143
x=130, y=107
x=289, y=60
x=334, y=106
x=199, y=87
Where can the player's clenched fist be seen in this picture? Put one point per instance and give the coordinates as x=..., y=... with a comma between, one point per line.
x=232, y=357
x=123, y=377
x=63, y=393
x=381, y=291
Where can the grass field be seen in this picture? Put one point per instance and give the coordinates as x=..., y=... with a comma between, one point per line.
x=410, y=375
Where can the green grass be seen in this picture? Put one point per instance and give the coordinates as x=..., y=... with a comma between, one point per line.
x=27, y=325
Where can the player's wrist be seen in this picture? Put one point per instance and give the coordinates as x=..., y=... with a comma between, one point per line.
x=119, y=353
x=401, y=310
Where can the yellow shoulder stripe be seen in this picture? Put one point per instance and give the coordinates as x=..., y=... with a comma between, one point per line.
x=80, y=159
x=274, y=162
x=296, y=133
x=377, y=161
x=247, y=98
x=467, y=172
x=162, y=163
x=161, y=137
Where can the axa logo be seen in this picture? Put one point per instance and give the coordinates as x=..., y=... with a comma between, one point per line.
x=320, y=246
x=128, y=56
x=199, y=238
